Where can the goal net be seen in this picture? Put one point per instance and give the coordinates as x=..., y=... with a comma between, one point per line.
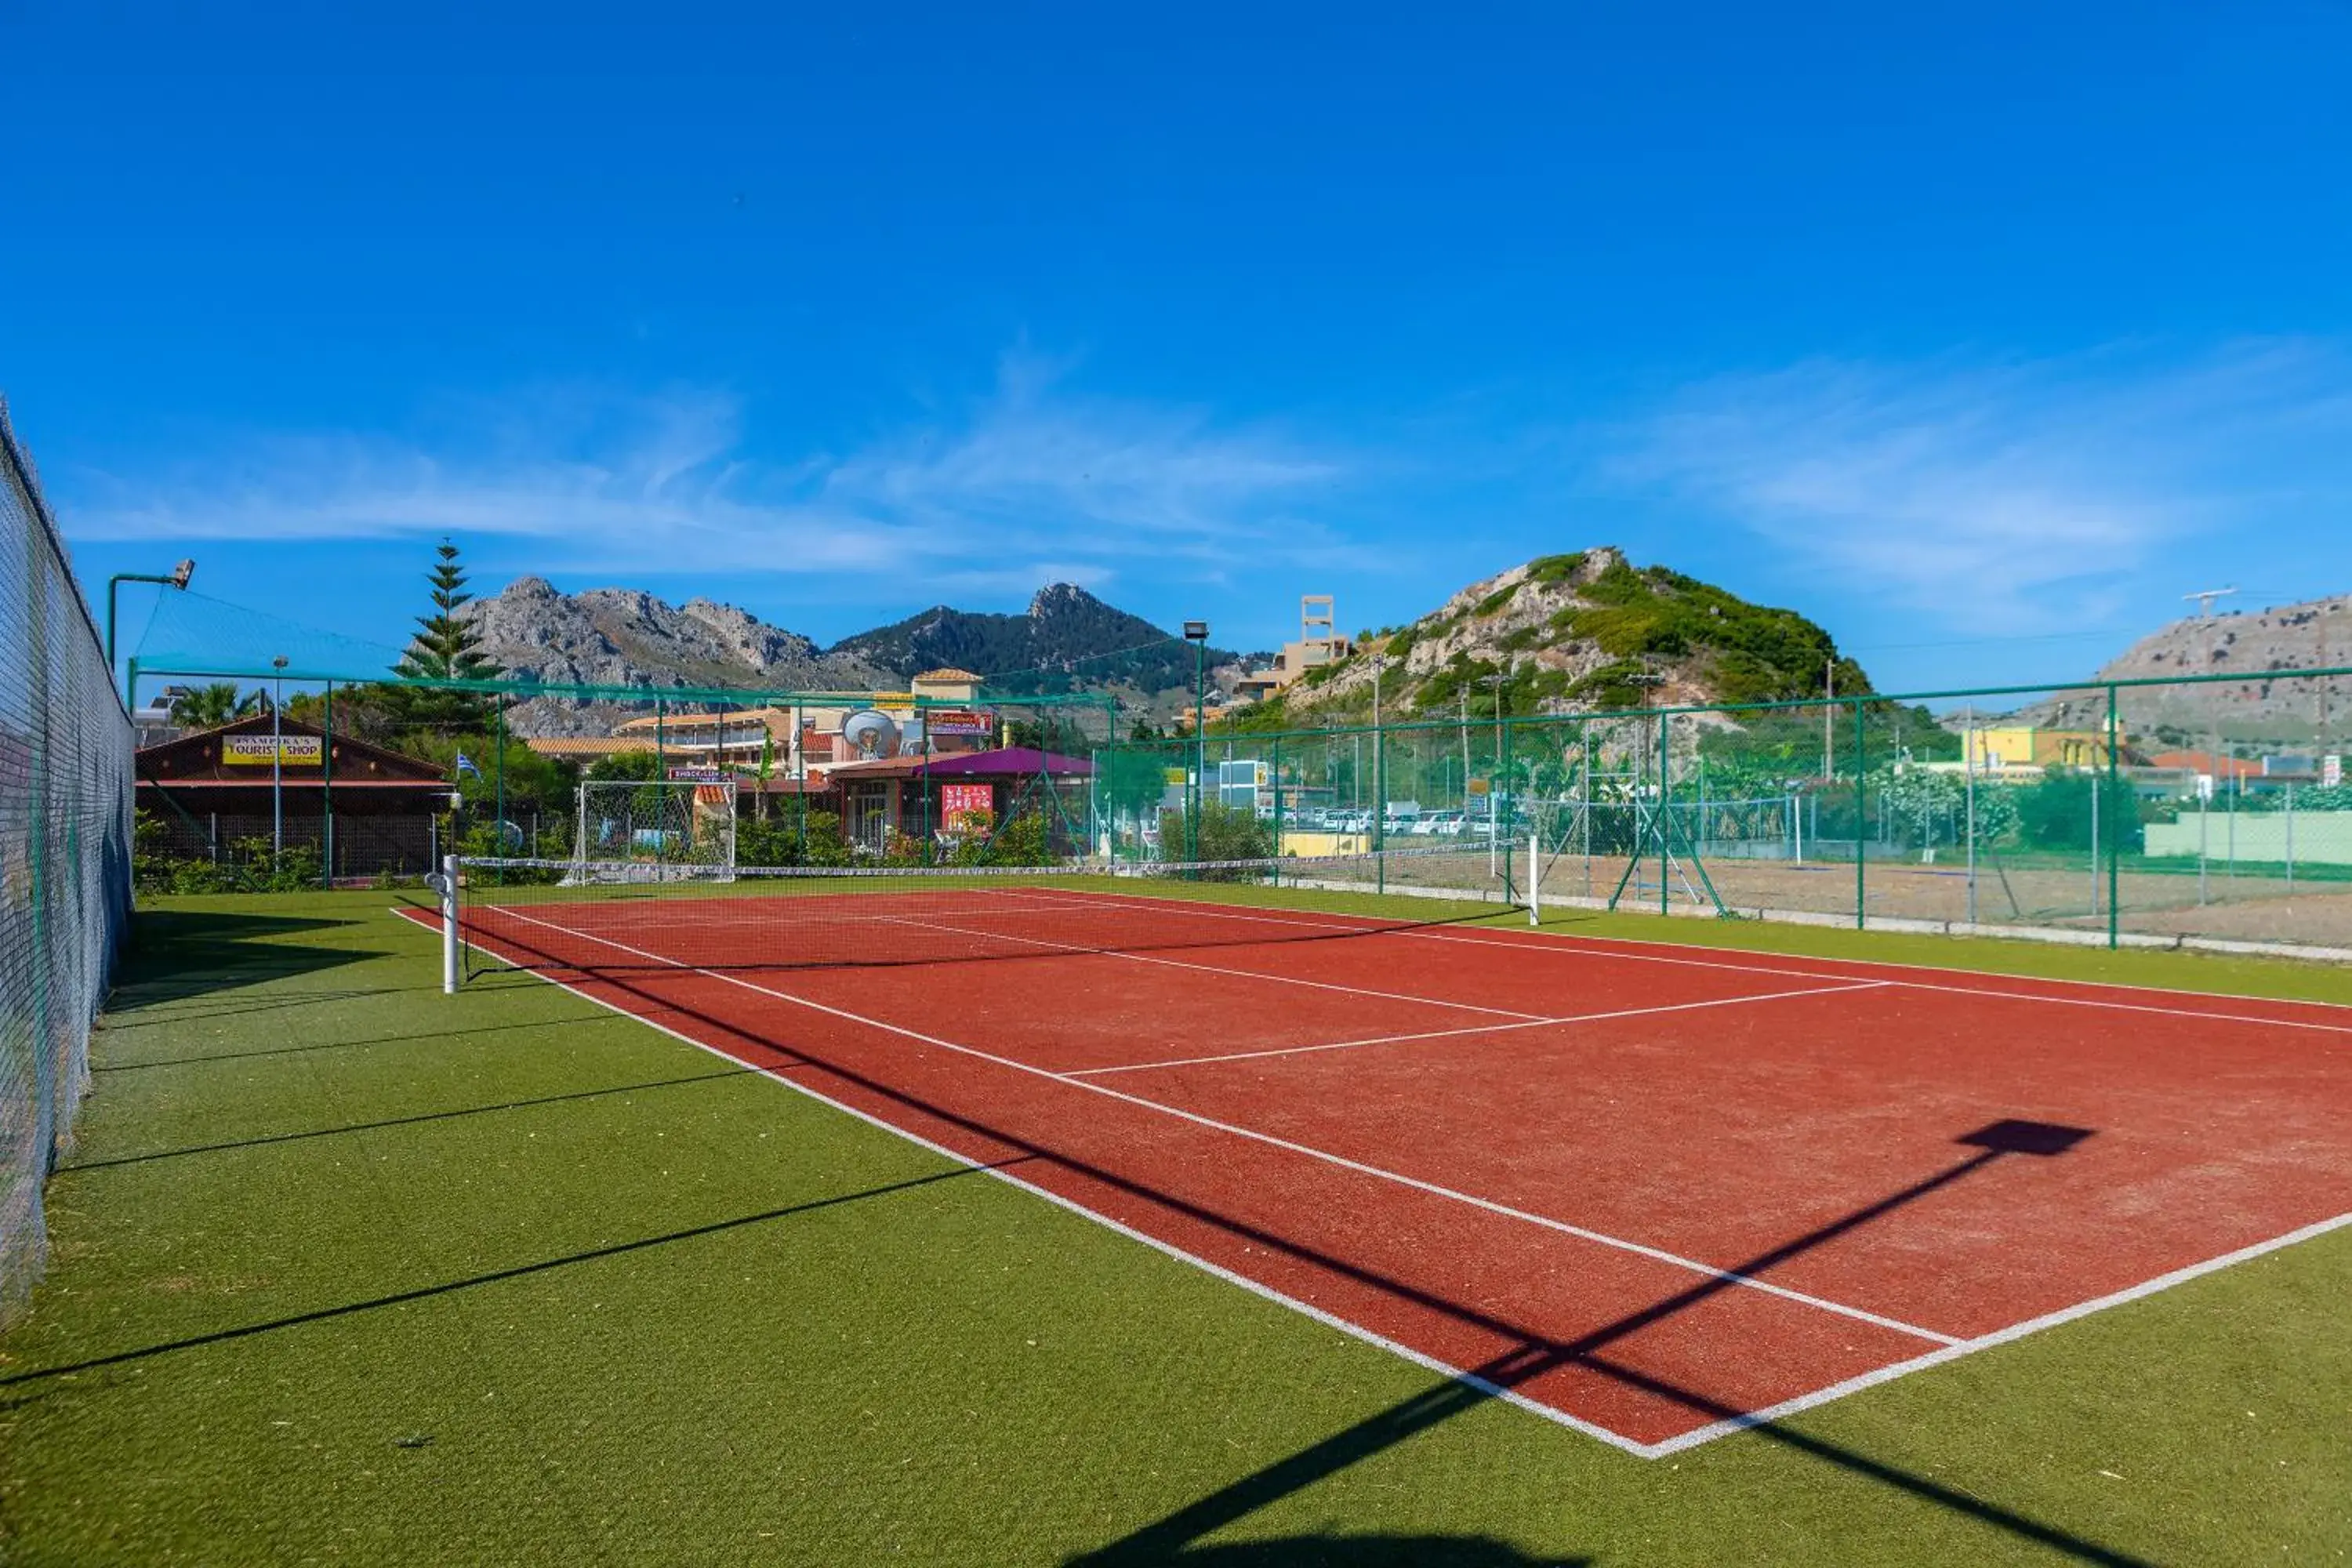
x=634, y=830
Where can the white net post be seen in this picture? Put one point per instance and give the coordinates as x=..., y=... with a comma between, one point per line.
x=1535, y=872
x=450, y=925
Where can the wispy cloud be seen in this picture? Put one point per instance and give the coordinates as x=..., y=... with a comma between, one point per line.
x=1031, y=482
x=2006, y=495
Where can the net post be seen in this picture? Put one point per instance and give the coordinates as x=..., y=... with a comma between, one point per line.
x=1535, y=873
x=450, y=925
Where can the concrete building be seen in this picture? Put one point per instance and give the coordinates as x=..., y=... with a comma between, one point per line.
x=1319, y=643
x=806, y=738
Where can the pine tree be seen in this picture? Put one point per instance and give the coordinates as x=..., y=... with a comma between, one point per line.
x=445, y=648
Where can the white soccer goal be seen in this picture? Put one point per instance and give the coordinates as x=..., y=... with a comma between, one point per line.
x=633, y=829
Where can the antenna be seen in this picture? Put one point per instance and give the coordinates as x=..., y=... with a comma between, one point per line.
x=2205, y=597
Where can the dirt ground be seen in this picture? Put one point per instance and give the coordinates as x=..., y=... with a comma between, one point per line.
x=2241, y=907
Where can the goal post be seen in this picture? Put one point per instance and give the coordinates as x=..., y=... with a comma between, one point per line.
x=628, y=828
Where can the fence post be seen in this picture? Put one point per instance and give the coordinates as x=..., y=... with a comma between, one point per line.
x=2097, y=785
x=2116, y=852
x=327, y=794
x=1584, y=792
x=1861, y=879
x=1665, y=799
x=1277, y=811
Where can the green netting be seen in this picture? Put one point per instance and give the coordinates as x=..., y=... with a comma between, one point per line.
x=2211, y=810
x=189, y=632
x=2244, y=829
x=65, y=853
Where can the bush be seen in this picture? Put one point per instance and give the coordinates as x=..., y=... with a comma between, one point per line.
x=1227, y=832
x=2055, y=812
x=796, y=839
x=1023, y=841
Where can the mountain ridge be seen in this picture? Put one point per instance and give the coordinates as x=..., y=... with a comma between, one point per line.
x=1557, y=634
x=2260, y=645
x=1066, y=640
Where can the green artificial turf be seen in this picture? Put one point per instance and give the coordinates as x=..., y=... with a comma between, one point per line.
x=352, y=1271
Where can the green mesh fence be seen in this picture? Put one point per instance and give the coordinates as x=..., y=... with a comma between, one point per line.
x=2244, y=822
x=2211, y=811
x=65, y=853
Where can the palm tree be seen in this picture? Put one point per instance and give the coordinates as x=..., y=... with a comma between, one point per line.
x=209, y=707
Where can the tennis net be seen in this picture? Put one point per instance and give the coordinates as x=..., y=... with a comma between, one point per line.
x=603, y=916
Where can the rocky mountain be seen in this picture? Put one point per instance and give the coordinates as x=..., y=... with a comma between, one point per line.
x=1572, y=633
x=625, y=636
x=1563, y=633
x=2255, y=644
x=1066, y=640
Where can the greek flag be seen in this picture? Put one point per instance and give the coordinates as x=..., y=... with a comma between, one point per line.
x=466, y=766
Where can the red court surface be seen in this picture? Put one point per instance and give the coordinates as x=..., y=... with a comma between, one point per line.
x=1657, y=1193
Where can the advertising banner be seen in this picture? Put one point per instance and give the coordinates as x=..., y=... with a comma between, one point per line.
x=958, y=722
x=261, y=750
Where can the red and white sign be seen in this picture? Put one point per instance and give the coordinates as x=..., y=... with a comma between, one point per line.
x=958, y=722
x=956, y=799
x=2331, y=770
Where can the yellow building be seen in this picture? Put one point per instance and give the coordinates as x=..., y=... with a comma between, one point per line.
x=1992, y=747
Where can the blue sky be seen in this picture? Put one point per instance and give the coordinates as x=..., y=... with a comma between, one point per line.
x=1979, y=333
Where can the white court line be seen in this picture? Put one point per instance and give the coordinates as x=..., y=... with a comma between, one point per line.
x=1332, y=1045
x=1557, y=945
x=1659, y=1449
x=1434, y=1189
x=1474, y=1029
x=1986, y=1342
x=1073, y=947
x=1355, y=1331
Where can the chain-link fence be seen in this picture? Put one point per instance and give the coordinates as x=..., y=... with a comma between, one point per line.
x=2210, y=811
x=65, y=853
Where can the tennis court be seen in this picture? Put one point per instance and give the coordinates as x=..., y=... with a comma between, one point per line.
x=1654, y=1193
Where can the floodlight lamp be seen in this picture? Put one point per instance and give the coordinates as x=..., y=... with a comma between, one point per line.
x=1196, y=631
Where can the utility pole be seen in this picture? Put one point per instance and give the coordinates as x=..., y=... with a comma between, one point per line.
x=1496, y=781
x=2205, y=597
x=2325, y=681
x=1462, y=710
x=1379, y=777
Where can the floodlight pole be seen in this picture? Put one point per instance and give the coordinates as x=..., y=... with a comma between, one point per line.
x=1197, y=634
x=176, y=578
x=277, y=767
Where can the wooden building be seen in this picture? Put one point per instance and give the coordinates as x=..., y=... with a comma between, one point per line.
x=371, y=808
